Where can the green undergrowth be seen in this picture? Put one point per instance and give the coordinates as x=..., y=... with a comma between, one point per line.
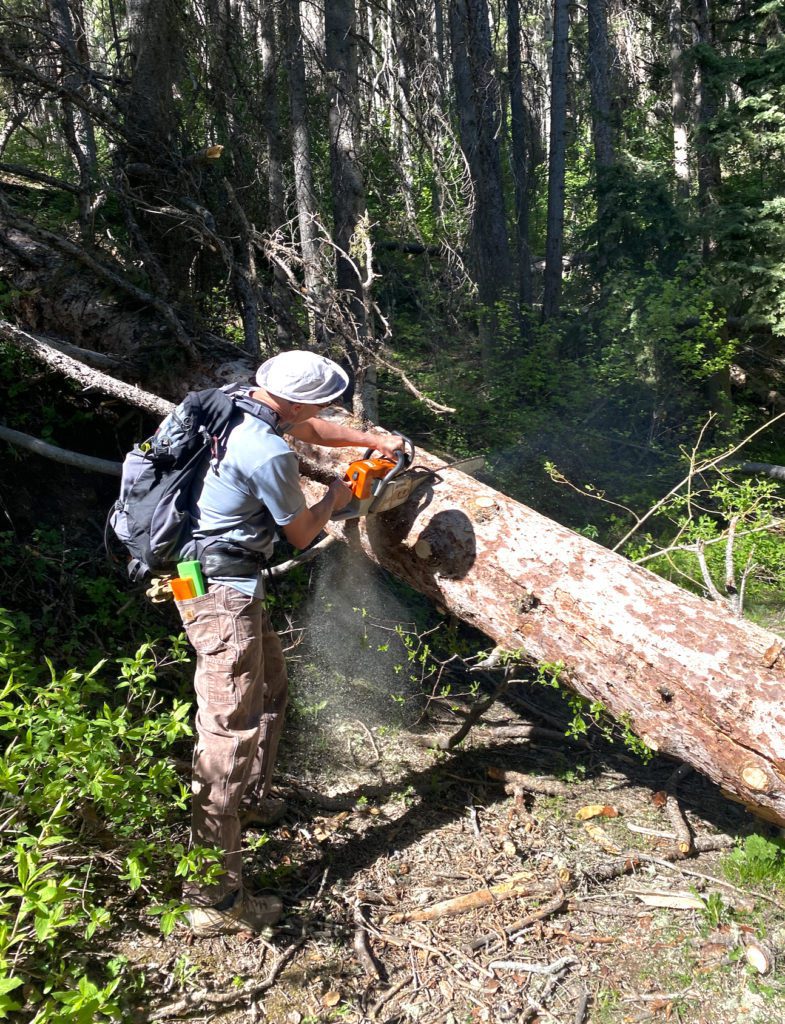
x=93, y=718
x=89, y=808
x=95, y=711
x=759, y=862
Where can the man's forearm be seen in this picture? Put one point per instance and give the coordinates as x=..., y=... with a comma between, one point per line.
x=302, y=530
x=332, y=435
x=310, y=522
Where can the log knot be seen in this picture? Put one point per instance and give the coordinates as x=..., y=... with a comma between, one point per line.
x=756, y=778
x=527, y=602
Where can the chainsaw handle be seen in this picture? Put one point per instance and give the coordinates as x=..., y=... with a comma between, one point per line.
x=404, y=455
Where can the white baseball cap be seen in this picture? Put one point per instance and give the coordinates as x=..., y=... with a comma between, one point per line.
x=301, y=376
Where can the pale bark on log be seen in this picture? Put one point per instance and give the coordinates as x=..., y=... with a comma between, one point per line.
x=78, y=371
x=694, y=682
x=521, y=884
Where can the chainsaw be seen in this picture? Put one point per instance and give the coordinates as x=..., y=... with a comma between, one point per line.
x=379, y=484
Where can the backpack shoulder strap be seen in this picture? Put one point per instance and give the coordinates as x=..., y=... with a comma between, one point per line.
x=214, y=404
x=239, y=395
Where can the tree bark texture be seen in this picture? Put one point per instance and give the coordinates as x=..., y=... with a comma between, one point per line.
x=76, y=370
x=477, y=96
x=271, y=118
x=305, y=194
x=78, y=128
x=351, y=231
x=155, y=43
x=51, y=451
x=599, y=82
x=694, y=682
x=681, y=165
x=347, y=184
x=521, y=145
x=602, y=128
x=707, y=96
x=556, y=161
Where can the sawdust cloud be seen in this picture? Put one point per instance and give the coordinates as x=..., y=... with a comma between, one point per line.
x=352, y=611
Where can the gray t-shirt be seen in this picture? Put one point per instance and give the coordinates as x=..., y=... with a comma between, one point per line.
x=256, y=487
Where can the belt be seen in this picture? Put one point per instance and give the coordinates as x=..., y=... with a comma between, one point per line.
x=221, y=559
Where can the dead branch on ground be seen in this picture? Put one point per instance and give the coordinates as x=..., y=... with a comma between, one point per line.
x=516, y=783
x=198, y=999
x=519, y=884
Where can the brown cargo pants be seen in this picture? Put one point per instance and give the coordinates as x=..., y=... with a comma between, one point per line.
x=241, y=692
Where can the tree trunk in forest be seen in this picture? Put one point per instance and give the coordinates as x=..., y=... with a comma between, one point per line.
x=147, y=161
x=270, y=117
x=78, y=127
x=681, y=166
x=708, y=95
x=225, y=36
x=556, y=161
x=354, y=274
x=694, y=681
x=602, y=128
x=709, y=173
x=155, y=44
x=477, y=96
x=520, y=126
x=307, y=207
x=276, y=200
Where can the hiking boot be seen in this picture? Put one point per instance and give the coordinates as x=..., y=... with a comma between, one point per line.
x=246, y=914
x=262, y=814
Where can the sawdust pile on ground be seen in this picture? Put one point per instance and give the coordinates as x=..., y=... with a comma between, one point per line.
x=554, y=926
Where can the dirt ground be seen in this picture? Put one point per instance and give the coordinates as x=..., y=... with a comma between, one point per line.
x=563, y=920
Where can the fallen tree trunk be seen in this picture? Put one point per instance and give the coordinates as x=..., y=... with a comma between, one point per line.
x=694, y=681
x=57, y=360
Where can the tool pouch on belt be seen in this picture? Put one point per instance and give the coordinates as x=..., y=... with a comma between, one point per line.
x=221, y=559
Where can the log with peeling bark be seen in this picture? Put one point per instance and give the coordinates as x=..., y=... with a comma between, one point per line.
x=693, y=681
x=62, y=363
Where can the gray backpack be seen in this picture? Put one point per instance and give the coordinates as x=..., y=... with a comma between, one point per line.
x=153, y=515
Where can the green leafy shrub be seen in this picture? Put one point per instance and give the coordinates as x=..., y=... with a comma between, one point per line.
x=759, y=861
x=90, y=803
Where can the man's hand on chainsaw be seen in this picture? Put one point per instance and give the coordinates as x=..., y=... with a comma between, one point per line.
x=386, y=444
x=341, y=494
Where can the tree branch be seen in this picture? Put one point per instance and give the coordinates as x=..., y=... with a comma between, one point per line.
x=45, y=179
x=101, y=271
x=41, y=350
x=62, y=455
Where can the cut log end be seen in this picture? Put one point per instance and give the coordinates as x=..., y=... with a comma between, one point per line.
x=483, y=508
x=759, y=956
x=755, y=778
x=423, y=549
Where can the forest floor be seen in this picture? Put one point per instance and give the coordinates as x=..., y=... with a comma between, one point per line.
x=593, y=920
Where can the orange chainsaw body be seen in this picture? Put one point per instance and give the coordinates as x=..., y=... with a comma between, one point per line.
x=378, y=484
x=360, y=475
